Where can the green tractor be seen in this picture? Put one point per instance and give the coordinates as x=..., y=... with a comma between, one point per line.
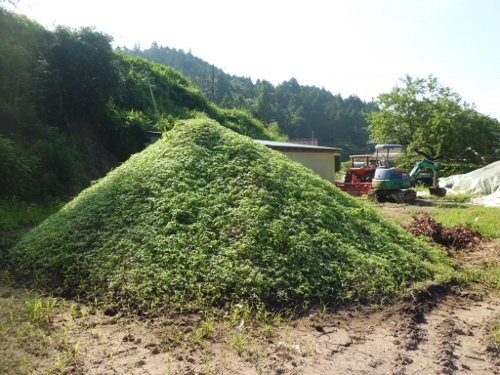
x=396, y=184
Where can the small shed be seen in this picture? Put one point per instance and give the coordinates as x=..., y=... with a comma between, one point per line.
x=324, y=161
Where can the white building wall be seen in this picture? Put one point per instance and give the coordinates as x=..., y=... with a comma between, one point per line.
x=322, y=163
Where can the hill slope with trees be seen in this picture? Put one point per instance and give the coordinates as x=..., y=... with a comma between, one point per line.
x=300, y=111
x=71, y=108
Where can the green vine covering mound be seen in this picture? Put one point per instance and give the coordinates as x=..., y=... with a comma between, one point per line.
x=209, y=216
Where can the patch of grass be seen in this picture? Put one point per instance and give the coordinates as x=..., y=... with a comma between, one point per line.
x=239, y=342
x=495, y=332
x=421, y=188
x=205, y=330
x=16, y=218
x=479, y=218
x=41, y=309
x=485, y=272
x=15, y=214
x=67, y=360
x=28, y=340
x=456, y=198
x=489, y=277
x=208, y=217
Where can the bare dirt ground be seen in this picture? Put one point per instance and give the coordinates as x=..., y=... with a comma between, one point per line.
x=439, y=331
x=442, y=330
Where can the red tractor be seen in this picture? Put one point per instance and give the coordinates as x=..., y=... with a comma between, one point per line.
x=358, y=178
x=358, y=181
x=380, y=182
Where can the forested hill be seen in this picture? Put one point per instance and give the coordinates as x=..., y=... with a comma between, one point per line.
x=300, y=111
x=71, y=108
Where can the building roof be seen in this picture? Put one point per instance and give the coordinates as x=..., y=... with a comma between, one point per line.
x=296, y=147
x=276, y=145
x=388, y=146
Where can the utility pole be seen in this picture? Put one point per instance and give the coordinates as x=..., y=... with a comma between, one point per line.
x=211, y=83
x=153, y=98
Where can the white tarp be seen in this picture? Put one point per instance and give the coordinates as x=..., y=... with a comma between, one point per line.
x=492, y=200
x=483, y=181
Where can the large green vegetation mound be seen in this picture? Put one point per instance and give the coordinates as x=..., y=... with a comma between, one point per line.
x=209, y=216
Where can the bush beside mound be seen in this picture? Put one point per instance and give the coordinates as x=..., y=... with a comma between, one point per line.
x=205, y=215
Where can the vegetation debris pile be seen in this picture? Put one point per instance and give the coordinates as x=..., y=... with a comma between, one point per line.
x=206, y=216
x=457, y=237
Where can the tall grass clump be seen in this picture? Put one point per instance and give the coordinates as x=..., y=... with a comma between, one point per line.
x=206, y=217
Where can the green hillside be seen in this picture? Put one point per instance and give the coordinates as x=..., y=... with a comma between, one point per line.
x=208, y=216
x=71, y=108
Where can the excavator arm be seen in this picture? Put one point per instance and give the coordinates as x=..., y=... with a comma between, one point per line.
x=430, y=165
x=421, y=165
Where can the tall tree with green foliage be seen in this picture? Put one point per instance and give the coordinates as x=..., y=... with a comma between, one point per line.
x=78, y=72
x=434, y=122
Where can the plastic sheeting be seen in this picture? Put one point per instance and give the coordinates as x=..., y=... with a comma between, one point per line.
x=483, y=181
x=492, y=200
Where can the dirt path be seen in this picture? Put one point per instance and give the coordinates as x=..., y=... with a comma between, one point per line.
x=433, y=333
x=436, y=332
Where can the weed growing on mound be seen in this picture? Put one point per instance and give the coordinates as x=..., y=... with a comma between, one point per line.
x=206, y=216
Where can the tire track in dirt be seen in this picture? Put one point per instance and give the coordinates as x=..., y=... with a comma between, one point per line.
x=440, y=331
x=454, y=336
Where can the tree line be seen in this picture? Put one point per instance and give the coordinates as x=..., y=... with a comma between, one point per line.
x=71, y=109
x=298, y=111
x=434, y=122
x=430, y=120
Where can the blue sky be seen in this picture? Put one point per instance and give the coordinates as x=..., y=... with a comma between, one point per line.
x=359, y=47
